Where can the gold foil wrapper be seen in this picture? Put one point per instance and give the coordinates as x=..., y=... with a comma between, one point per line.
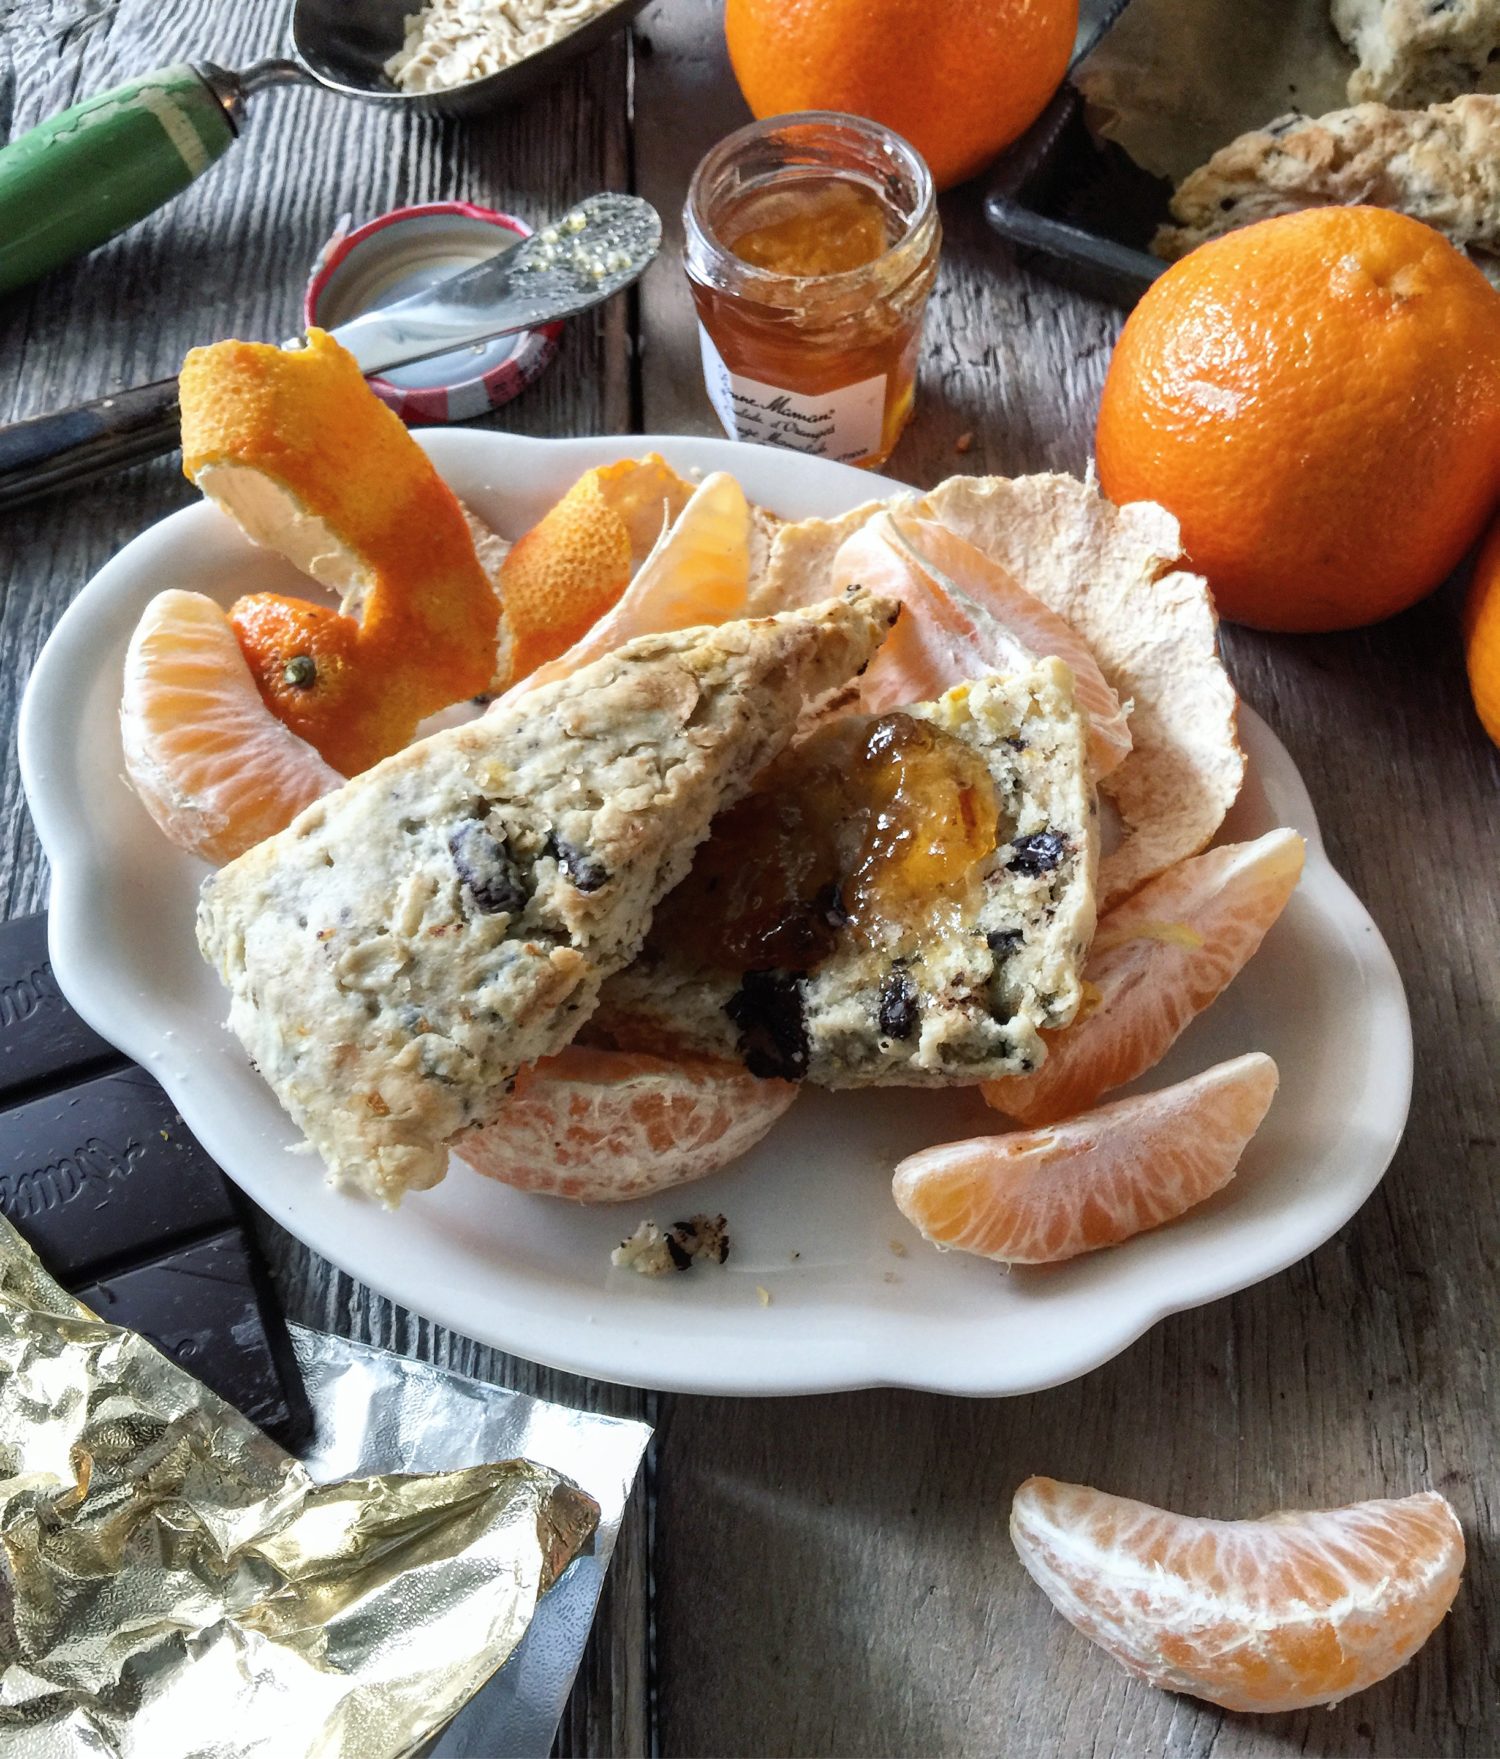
x=174, y=1583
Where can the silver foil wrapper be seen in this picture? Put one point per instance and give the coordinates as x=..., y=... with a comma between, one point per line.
x=173, y=1583
x=375, y=1412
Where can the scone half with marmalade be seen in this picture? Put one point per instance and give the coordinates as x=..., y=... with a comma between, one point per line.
x=409, y=942
x=902, y=899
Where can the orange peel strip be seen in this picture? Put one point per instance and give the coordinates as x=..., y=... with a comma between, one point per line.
x=295, y=446
x=574, y=564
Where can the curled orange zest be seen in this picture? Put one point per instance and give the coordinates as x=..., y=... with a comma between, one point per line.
x=337, y=483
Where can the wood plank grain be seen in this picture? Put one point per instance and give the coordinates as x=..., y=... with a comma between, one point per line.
x=230, y=257
x=864, y=1597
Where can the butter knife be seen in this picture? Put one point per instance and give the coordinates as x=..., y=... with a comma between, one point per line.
x=601, y=246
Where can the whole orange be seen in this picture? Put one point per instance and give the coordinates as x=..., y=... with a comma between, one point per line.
x=1317, y=399
x=1482, y=634
x=958, y=78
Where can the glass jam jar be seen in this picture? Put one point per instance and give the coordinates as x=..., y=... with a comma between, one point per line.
x=811, y=246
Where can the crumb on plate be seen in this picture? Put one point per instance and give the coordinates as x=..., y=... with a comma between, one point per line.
x=650, y=1251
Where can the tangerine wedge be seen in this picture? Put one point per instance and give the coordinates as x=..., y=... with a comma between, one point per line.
x=1278, y=1614
x=602, y=1126
x=210, y=762
x=1040, y=1196
x=574, y=564
x=967, y=617
x=1157, y=960
x=698, y=573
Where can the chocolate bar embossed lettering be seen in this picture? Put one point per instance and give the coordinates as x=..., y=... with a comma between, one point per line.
x=26, y=1192
x=22, y=996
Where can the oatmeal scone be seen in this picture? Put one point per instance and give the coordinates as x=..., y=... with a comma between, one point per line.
x=398, y=952
x=1440, y=165
x=902, y=899
x=1415, y=52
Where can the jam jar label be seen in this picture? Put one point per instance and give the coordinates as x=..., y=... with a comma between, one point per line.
x=842, y=424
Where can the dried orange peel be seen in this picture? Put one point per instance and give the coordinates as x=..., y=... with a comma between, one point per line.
x=576, y=562
x=297, y=449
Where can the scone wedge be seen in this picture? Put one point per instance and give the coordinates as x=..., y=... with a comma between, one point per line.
x=1117, y=576
x=1440, y=165
x=1415, y=52
x=409, y=942
x=903, y=899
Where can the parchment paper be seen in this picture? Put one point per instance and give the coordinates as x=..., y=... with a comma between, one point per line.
x=1172, y=81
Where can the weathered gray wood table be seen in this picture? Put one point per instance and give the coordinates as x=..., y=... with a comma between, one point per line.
x=832, y=1576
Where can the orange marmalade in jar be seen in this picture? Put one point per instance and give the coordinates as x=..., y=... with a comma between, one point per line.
x=811, y=246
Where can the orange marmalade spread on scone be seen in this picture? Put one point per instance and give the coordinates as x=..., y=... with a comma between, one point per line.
x=874, y=827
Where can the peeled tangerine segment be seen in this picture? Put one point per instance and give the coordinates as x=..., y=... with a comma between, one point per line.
x=603, y=1126
x=1294, y=1610
x=1157, y=961
x=210, y=762
x=1041, y=1196
x=577, y=560
x=966, y=618
x=698, y=573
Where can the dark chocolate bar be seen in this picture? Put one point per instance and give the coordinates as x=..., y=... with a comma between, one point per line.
x=106, y=1173
x=200, y=1307
x=41, y=1039
x=122, y=1204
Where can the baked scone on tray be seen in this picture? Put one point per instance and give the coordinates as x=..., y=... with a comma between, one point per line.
x=409, y=942
x=1440, y=165
x=1419, y=51
x=902, y=899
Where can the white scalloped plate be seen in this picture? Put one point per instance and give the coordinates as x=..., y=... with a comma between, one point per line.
x=855, y=1297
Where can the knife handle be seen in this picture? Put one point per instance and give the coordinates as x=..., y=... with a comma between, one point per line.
x=73, y=445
